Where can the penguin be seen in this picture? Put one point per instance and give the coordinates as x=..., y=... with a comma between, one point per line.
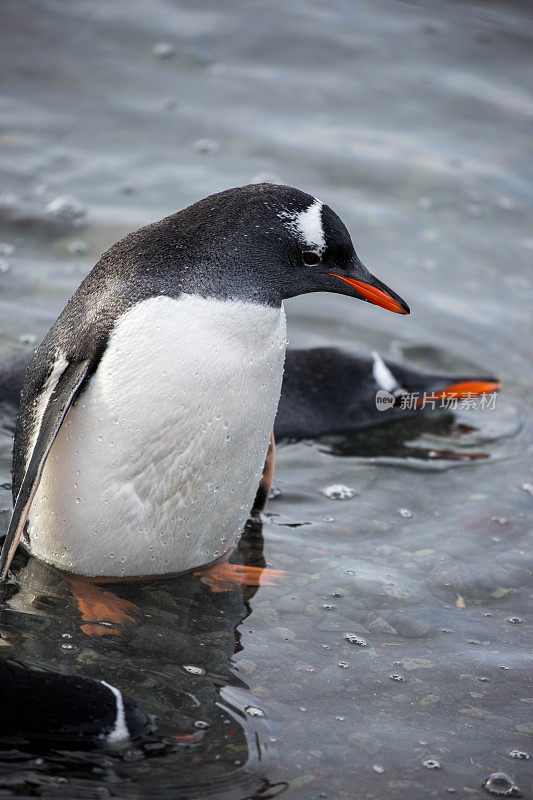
x=329, y=391
x=49, y=709
x=147, y=410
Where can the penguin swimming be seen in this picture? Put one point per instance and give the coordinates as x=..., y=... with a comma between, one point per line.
x=326, y=391
x=55, y=710
x=147, y=410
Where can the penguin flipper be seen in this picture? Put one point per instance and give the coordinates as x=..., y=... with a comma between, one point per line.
x=65, y=391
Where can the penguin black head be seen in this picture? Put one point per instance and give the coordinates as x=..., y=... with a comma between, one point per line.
x=263, y=243
x=316, y=251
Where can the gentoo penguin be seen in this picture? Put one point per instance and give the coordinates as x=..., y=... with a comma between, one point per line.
x=48, y=708
x=147, y=409
x=326, y=391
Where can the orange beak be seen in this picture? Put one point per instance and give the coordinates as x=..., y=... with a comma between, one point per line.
x=464, y=389
x=373, y=295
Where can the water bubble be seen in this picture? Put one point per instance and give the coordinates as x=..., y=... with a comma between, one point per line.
x=338, y=491
x=27, y=338
x=202, y=724
x=67, y=208
x=378, y=768
x=68, y=647
x=343, y=664
x=519, y=754
x=405, y=513
x=329, y=606
x=253, y=711
x=4, y=267
x=514, y=620
x=194, y=670
x=7, y=249
x=77, y=247
x=527, y=487
x=163, y=50
x=353, y=638
x=502, y=785
x=431, y=763
x=66, y=636
x=396, y=677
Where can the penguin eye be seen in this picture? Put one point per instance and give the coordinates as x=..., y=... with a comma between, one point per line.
x=311, y=259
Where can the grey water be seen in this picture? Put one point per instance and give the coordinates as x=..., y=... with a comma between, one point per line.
x=412, y=120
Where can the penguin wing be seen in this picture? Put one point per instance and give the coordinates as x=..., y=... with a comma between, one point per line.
x=67, y=386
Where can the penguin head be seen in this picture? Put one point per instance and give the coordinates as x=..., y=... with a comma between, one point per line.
x=273, y=242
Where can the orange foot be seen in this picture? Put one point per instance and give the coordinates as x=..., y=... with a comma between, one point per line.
x=225, y=577
x=102, y=609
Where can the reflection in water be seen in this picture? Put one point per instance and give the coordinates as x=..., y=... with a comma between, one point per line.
x=425, y=439
x=182, y=640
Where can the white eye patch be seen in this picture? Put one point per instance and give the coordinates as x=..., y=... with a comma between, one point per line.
x=307, y=225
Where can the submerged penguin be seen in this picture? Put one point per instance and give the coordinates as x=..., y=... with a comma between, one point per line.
x=55, y=710
x=327, y=391
x=147, y=410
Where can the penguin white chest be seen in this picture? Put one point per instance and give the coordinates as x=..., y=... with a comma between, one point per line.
x=156, y=465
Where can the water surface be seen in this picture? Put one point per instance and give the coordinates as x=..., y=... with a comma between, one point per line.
x=412, y=121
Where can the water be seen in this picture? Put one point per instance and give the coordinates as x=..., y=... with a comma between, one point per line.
x=411, y=120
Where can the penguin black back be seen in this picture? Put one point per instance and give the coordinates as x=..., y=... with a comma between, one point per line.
x=326, y=390
x=55, y=710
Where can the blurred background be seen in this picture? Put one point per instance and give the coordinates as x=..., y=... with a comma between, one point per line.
x=413, y=121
